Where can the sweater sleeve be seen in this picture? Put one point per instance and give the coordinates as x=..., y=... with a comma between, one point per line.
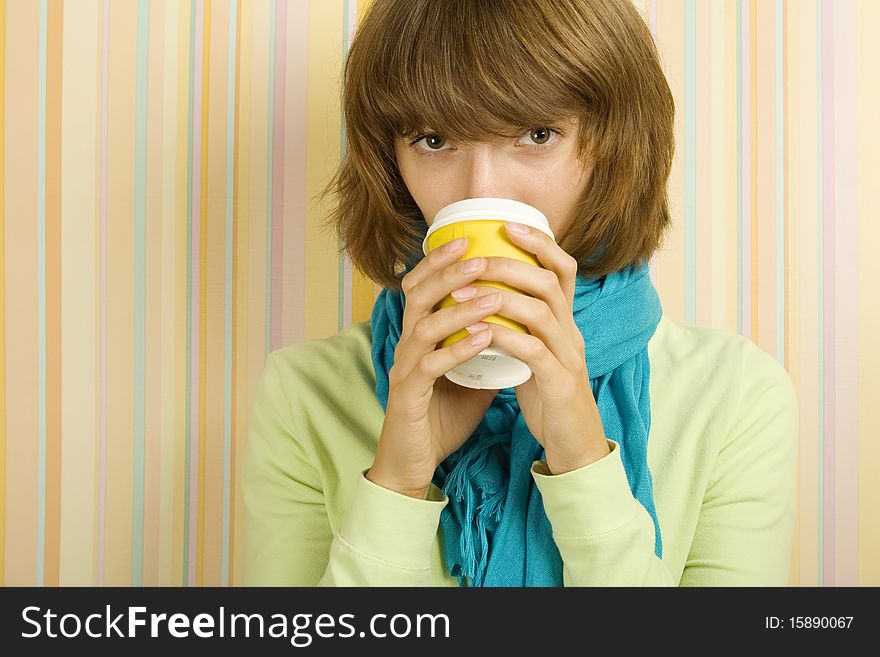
x=385, y=540
x=745, y=529
x=604, y=535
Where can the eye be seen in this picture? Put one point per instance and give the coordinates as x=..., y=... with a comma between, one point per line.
x=540, y=136
x=432, y=142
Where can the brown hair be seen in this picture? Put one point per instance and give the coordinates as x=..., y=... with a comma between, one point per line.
x=465, y=68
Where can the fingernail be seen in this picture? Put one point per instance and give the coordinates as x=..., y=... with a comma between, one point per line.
x=488, y=300
x=471, y=266
x=519, y=229
x=454, y=245
x=479, y=338
x=479, y=326
x=464, y=293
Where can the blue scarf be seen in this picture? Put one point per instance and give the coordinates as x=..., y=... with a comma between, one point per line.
x=495, y=531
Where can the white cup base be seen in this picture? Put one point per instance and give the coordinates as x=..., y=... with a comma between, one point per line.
x=492, y=369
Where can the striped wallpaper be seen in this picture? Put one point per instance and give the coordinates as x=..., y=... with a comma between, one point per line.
x=159, y=238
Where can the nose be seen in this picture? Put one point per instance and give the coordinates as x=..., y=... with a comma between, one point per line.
x=486, y=173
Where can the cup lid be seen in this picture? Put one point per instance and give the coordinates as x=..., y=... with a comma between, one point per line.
x=491, y=209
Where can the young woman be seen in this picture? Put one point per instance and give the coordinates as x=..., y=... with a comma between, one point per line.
x=641, y=452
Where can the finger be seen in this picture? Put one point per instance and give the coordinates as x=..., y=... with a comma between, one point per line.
x=428, y=266
x=422, y=299
x=433, y=262
x=540, y=283
x=533, y=352
x=438, y=326
x=420, y=380
x=549, y=254
x=537, y=317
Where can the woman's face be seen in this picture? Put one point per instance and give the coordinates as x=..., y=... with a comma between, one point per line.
x=538, y=166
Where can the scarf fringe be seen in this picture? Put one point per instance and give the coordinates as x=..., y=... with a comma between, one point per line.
x=465, y=483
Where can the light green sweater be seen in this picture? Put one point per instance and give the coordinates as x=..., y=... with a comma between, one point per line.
x=721, y=450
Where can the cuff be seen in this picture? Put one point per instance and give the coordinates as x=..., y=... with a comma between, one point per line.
x=393, y=527
x=589, y=501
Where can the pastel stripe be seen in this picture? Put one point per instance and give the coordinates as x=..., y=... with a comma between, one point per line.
x=671, y=271
x=809, y=212
x=707, y=223
x=157, y=191
x=791, y=168
x=749, y=172
x=868, y=178
x=821, y=191
x=21, y=199
x=297, y=262
x=102, y=300
x=787, y=85
x=846, y=306
x=241, y=309
x=78, y=213
x=239, y=300
x=53, y=295
x=139, y=212
x=41, y=296
x=183, y=174
x=715, y=135
x=194, y=285
x=790, y=341
x=743, y=151
x=319, y=47
x=121, y=181
x=2, y=290
x=204, y=248
x=215, y=157
x=228, y=376
x=764, y=262
x=748, y=164
x=344, y=293
x=277, y=141
x=254, y=204
x=153, y=347
x=191, y=185
x=343, y=277
x=690, y=159
x=270, y=180
x=828, y=288
x=192, y=314
x=360, y=287
x=750, y=319
x=780, y=301
x=239, y=330
x=219, y=208
x=729, y=171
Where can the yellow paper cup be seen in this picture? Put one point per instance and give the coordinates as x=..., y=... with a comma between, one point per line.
x=481, y=221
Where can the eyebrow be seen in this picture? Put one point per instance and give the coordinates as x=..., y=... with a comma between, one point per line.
x=507, y=131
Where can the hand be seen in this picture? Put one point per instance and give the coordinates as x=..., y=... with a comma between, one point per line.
x=427, y=416
x=557, y=402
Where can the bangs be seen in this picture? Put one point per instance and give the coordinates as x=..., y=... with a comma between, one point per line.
x=467, y=69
